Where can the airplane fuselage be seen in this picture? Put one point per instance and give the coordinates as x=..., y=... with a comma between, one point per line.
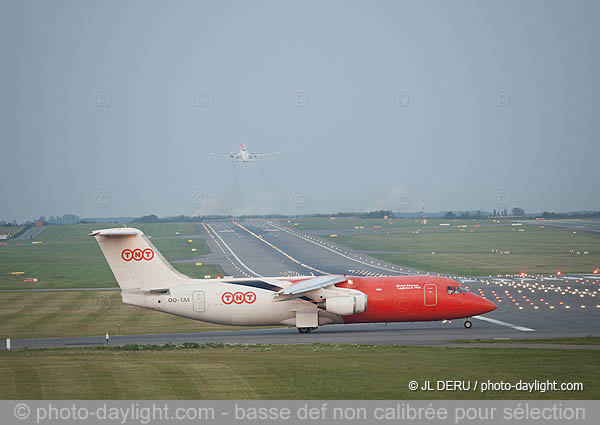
x=254, y=302
x=243, y=155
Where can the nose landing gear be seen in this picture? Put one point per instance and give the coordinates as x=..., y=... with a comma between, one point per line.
x=305, y=330
x=468, y=324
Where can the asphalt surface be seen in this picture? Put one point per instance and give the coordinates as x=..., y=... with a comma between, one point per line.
x=552, y=306
x=30, y=233
x=576, y=224
x=528, y=306
x=431, y=334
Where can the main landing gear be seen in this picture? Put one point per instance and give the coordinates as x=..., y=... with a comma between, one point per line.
x=468, y=324
x=305, y=330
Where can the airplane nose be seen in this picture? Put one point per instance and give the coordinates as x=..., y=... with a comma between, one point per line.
x=478, y=305
x=486, y=306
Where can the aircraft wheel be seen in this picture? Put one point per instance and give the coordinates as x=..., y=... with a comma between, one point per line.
x=305, y=330
x=468, y=324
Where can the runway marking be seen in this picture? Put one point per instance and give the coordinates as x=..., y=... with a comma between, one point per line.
x=338, y=253
x=508, y=325
x=278, y=249
x=233, y=253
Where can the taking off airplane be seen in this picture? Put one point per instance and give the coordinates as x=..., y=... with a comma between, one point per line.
x=148, y=280
x=242, y=155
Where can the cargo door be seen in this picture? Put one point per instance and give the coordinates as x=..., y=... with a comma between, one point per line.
x=430, y=295
x=199, y=301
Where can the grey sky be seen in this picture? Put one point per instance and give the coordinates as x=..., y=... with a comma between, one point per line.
x=472, y=104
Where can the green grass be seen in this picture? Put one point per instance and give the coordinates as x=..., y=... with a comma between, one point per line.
x=84, y=313
x=68, y=258
x=287, y=372
x=9, y=229
x=466, y=250
x=487, y=264
x=166, y=229
x=173, y=249
x=198, y=272
x=586, y=340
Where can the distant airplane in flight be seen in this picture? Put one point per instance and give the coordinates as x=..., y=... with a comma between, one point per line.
x=306, y=302
x=242, y=155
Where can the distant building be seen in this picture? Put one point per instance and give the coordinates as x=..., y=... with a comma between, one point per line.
x=65, y=219
x=70, y=219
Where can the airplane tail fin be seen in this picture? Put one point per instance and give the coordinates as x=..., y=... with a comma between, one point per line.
x=135, y=262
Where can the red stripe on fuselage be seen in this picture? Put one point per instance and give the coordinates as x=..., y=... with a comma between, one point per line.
x=414, y=298
x=411, y=299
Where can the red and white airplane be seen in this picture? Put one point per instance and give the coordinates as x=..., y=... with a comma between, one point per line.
x=242, y=155
x=148, y=280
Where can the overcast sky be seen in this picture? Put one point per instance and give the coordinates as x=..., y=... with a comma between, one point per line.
x=111, y=108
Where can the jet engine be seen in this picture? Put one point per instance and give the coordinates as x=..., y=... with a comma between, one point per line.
x=345, y=305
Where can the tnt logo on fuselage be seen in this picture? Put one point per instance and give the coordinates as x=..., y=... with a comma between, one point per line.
x=238, y=298
x=137, y=254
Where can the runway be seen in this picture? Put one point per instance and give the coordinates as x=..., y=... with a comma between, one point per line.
x=551, y=306
x=30, y=233
x=528, y=306
x=430, y=334
x=271, y=250
x=577, y=224
x=567, y=302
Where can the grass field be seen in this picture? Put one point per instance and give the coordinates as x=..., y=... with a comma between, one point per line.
x=465, y=250
x=287, y=372
x=84, y=313
x=586, y=340
x=9, y=229
x=68, y=258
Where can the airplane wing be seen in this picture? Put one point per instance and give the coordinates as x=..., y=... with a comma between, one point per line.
x=231, y=155
x=299, y=289
x=120, y=232
x=258, y=155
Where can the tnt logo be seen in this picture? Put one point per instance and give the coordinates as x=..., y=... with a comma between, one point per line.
x=137, y=254
x=238, y=298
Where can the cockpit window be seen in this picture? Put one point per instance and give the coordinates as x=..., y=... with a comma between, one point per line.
x=456, y=289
